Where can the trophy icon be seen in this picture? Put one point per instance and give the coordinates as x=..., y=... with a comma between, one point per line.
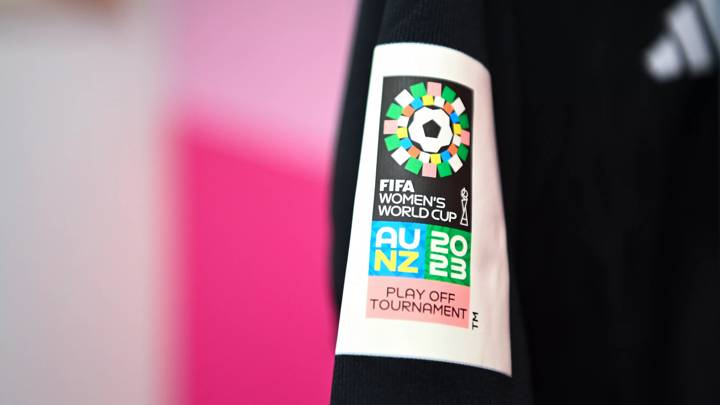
x=463, y=201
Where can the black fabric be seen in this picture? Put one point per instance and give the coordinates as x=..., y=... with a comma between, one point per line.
x=376, y=380
x=437, y=22
x=350, y=136
x=610, y=184
x=617, y=263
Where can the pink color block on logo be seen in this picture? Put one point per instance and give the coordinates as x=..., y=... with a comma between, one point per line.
x=418, y=300
x=389, y=127
x=429, y=170
x=465, y=137
x=433, y=89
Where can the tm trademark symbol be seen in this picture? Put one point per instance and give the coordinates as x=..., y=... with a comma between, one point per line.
x=475, y=320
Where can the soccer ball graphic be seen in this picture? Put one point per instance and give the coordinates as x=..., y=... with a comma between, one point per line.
x=427, y=130
x=431, y=129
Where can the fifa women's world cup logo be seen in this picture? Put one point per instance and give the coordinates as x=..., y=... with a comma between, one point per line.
x=421, y=234
x=427, y=130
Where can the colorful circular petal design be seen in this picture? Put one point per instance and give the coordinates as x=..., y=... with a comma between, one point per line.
x=428, y=130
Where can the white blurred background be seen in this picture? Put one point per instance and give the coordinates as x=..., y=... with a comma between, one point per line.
x=82, y=308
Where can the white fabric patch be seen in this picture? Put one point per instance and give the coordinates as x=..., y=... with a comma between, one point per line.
x=457, y=311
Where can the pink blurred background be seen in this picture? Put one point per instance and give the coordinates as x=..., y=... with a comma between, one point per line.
x=179, y=178
x=259, y=89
